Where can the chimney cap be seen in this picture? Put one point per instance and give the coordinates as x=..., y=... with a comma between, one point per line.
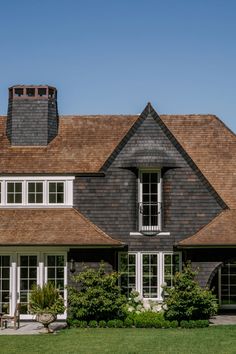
x=32, y=92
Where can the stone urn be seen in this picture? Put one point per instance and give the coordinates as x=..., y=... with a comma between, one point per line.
x=46, y=319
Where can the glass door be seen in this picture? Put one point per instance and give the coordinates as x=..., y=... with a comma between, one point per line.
x=5, y=284
x=27, y=277
x=228, y=284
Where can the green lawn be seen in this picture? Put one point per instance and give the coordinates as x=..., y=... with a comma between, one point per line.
x=220, y=339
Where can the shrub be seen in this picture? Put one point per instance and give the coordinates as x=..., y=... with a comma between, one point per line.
x=194, y=324
x=96, y=296
x=102, y=324
x=93, y=324
x=187, y=300
x=128, y=322
x=82, y=324
x=174, y=324
x=149, y=319
x=115, y=324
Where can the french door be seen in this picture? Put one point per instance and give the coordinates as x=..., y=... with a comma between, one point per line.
x=28, y=276
x=19, y=272
x=5, y=283
x=227, y=285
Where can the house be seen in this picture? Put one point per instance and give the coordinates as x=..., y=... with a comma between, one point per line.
x=142, y=192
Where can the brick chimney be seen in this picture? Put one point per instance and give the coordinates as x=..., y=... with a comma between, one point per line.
x=32, y=118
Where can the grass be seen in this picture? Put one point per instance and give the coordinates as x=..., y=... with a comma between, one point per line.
x=218, y=339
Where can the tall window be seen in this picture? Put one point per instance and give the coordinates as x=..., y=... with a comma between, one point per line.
x=56, y=192
x=147, y=271
x=55, y=271
x=150, y=275
x=14, y=192
x=171, y=266
x=4, y=283
x=127, y=267
x=149, y=201
x=35, y=192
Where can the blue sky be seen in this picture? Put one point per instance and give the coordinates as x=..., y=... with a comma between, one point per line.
x=113, y=56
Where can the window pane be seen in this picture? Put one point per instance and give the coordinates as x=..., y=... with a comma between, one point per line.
x=145, y=177
x=18, y=187
x=52, y=198
x=39, y=187
x=10, y=198
x=51, y=260
x=60, y=261
x=60, y=187
x=60, y=198
x=10, y=187
x=154, y=177
x=18, y=198
x=52, y=187
x=39, y=198
x=31, y=187
x=31, y=198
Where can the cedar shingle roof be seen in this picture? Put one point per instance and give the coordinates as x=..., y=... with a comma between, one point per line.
x=221, y=231
x=84, y=143
x=50, y=227
x=212, y=147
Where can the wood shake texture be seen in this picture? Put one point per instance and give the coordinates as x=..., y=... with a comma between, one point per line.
x=50, y=227
x=197, y=155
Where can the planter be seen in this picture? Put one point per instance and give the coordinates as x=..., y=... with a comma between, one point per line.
x=46, y=319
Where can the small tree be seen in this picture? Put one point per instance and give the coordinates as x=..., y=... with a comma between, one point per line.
x=96, y=296
x=187, y=300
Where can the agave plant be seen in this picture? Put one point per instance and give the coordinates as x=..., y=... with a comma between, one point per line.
x=46, y=302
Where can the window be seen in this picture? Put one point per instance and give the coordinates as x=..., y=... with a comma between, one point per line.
x=127, y=266
x=55, y=271
x=149, y=275
x=35, y=192
x=171, y=266
x=149, y=201
x=56, y=192
x=14, y=192
x=146, y=272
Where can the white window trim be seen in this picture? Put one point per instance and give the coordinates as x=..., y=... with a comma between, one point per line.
x=41, y=271
x=68, y=191
x=160, y=271
x=159, y=191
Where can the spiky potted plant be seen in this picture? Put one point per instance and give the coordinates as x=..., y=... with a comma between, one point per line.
x=46, y=303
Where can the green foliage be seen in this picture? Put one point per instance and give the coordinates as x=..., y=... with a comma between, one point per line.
x=187, y=300
x=149, y=319
x=115, y=324
x=93, y=324
x=128, y=322
x=102, y=324
x=46, y=299
x=194, y=324
x=96, y=295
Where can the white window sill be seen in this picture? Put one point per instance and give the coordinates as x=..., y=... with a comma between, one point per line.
x=35, y=206
x=158, y=233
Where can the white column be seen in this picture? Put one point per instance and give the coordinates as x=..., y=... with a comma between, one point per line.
x=41, y=274
x=14, y=289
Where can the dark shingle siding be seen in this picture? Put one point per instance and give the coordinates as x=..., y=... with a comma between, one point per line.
x=111, y=201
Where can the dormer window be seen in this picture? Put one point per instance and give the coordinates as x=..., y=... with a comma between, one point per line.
x=149, y=200
x=14, y=192
x=33, y=192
